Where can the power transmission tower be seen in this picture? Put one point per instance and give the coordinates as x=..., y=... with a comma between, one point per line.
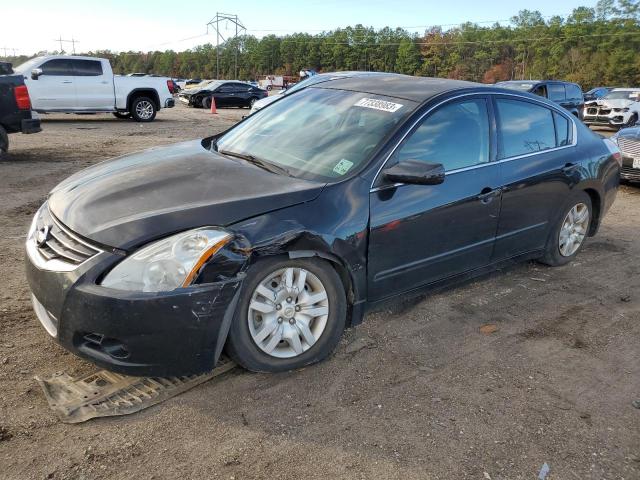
x=239, y=28
x=73, y=42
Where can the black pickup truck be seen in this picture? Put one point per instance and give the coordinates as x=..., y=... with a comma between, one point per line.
x=15, y=107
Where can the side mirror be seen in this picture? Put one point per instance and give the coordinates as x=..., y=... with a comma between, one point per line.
x=35, y=73
x=415, y=172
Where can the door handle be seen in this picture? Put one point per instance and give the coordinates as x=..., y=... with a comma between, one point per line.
x=105, y=82
x=488, y=194
x=67, y=81
x=569, y=168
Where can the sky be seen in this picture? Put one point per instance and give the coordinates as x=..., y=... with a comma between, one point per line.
x=143, y=25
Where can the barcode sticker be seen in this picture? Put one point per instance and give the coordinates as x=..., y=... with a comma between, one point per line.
x=379, y=105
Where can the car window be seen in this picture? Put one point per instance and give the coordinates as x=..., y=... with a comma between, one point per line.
x=241, y=87
x=226, y=89
x=456, y=135
x=57, y=67
x=556, y=92
x=524, y=127
x=573, y=92
x=87, y=68
x=541, y=91
x=563, y=130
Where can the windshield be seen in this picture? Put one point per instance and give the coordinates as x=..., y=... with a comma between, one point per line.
x=622, y=95
x=317, y=134
x=27, y=66
x=525, y=87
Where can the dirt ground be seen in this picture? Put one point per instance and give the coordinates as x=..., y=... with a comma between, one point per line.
x=417, y=391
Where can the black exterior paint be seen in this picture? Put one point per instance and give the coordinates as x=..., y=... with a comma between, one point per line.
x=384, y=239
x=229, y=94
x=12, y=119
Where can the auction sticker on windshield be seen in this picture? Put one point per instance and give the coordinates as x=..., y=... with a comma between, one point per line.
x=379, y=105
x=342, y=166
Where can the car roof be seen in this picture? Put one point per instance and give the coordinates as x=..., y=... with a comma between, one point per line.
x=417, y=89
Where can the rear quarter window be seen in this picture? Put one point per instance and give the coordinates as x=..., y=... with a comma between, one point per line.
x=524, y=128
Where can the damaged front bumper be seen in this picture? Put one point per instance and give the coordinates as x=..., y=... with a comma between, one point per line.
x=174, y=333
x=607, y=117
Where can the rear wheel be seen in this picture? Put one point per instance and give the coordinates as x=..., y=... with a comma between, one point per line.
x=122, y=115
x=4, y=141
x=567, y=237
x=143, y=109
x=291, y=313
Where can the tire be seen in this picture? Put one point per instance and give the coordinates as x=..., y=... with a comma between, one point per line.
x=269, y=88
x=143, y=109
x=4, y=142
x=206, y=102
x=252, y=101
x=557, y=252
x=122, y=115
x=287, y=320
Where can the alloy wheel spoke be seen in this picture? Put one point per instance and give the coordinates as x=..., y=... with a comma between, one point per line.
x=305, y=331
x=300, y=281
x=268, y=327
x=312, y=299
x=266, y=293
x=316, y=311
x=261, y=307
x=288, y=278
x=275, y=340
x=295, y=343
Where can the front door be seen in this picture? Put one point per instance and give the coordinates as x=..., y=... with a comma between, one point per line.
x=55, y=88
x=420, y=234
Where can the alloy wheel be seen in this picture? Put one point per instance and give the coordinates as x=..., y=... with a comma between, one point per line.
x=573, y=230
x=144, y=109
x=288, y=312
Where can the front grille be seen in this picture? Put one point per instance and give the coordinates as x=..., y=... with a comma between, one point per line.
x=52, y=246
x=629, y=173
x=629, y=147
x=61, y=245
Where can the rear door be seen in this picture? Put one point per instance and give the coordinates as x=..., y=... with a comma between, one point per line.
x=557, y=93
x=420, y=234
x=242, y=94
x=55, y=89
x=536, y=156
x=94, y=87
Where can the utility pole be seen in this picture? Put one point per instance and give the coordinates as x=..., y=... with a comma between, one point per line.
x=239, y=28
x=8, y=48
x=73, y=42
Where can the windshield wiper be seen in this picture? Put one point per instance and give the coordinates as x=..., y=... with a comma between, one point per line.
x=270, y=167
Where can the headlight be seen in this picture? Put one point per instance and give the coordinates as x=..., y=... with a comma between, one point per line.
x=625, y=110
x=168, y=263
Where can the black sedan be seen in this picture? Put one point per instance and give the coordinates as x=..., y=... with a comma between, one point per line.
x=226, y=94
x=271, y=238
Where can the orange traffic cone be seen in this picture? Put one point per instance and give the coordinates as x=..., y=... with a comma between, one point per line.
x=213, y=105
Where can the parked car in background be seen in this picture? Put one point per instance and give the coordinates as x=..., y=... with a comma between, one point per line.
x=15, y=108
x=271, y=238
x=596, y=93
x=567, y=94
x=226, y=94
x=73, y=84
x=619, y=108
x=189, y=83
x=628, y=140
x=311, y=80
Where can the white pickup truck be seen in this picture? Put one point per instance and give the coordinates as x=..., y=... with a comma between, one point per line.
x=72, y=84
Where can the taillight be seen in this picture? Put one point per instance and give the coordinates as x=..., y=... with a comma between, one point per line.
x=170, y=86
x=22, y=97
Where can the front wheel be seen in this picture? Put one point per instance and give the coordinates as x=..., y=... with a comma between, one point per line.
x=291, y=313
x=4, y=141
x=143, y=109
x=567, y=237
x=206, y=102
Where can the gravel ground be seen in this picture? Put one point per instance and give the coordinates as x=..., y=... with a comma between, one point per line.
x=416, y=391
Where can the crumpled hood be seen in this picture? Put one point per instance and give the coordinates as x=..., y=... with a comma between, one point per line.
x=131, y=200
